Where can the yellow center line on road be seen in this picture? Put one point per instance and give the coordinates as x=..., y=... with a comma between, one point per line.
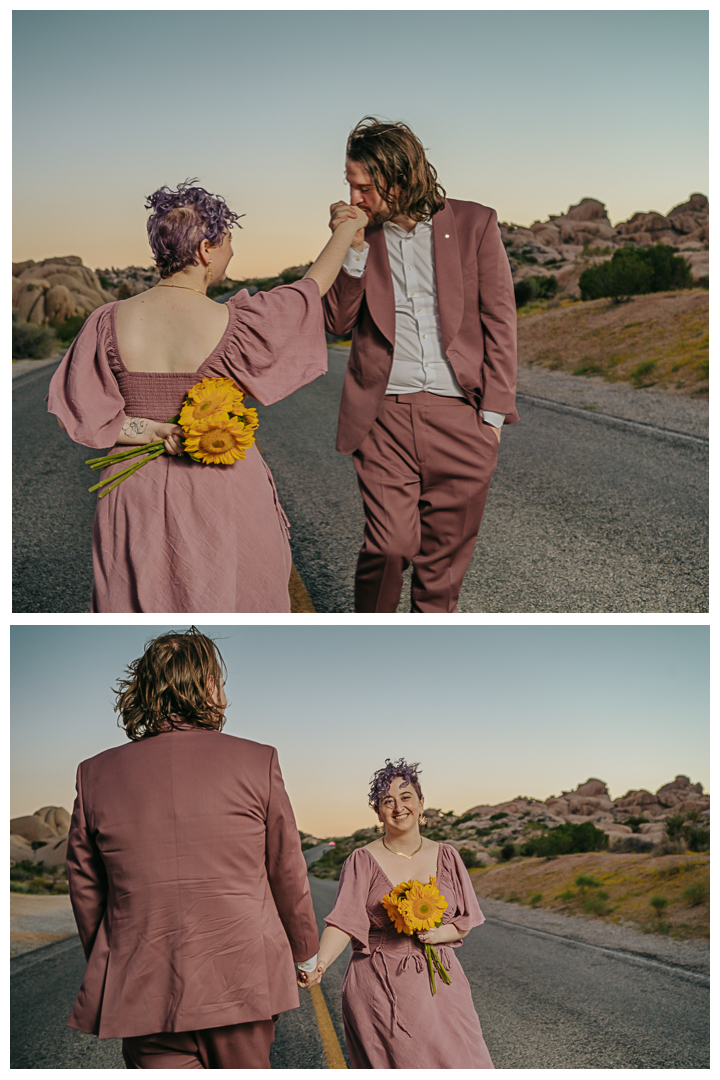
x=331, y=1045
x=299, y=596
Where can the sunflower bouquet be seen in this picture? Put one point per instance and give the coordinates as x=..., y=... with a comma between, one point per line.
x=413, y=906
x=217, y=430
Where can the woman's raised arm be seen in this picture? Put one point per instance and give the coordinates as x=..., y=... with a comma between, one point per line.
x=328, y=263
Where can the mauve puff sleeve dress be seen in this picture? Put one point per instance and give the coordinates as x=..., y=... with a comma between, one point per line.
x=392, y=1020
x=178, y=536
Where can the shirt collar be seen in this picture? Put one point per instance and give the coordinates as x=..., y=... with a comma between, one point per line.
x=397, y=229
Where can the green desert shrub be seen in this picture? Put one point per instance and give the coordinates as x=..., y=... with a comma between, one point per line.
x=674, y=826
x=642, y=373
x=635, y=822
x=537, y=287
x=507, y=852
x=470, y=858
x=697, y=839
x=586, y=881
x=596, y=904
x=633, y=271
x=659, y=903
x=32, y=342
x=67, y=331
x=567, y=839
x=679, y=828
x=695, y=894
x=535, y=899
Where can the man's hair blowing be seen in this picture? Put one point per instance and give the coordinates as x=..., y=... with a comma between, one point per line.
x=395, y=157
x=171, y=679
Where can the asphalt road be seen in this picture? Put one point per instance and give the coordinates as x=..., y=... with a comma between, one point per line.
x=583, y=516
x=544, y=1002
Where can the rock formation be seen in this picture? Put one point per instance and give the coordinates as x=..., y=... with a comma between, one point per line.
x=566, y=244
x=47, y=829
x=128, y=282
x=56, y=289
x=485, y=826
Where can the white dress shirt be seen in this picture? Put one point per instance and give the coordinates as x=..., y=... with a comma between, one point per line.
x=419, y=360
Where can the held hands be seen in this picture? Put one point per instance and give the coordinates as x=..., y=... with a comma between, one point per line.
x=341, y=212
x=307, y=979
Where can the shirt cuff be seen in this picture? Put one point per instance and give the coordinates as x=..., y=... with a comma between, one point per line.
x=495, y=418
x=355, y=261
x=308, y=965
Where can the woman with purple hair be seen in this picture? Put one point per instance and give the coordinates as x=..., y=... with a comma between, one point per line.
x=391, y=1018
x=178, y=536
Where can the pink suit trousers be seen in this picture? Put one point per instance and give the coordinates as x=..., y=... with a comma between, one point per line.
x=234, y=1046
x=424, y=470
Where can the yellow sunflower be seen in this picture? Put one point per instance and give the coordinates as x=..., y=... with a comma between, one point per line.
x=390, y=903
x=218, y=441
x=223, y=385
x=248, y=417
x=208, y=398
x=423, y=906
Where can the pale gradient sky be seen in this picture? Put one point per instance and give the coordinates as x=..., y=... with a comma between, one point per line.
x=490, y=712
x=525, y=111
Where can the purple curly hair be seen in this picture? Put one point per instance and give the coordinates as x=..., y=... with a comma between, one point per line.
x=181, y=220
x=383, y=778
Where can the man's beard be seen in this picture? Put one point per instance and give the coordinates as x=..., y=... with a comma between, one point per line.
x=379, y=217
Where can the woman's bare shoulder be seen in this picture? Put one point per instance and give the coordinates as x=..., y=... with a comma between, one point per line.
x=374, y=845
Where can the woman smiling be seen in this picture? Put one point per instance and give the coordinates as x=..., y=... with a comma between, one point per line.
x=392, y=1019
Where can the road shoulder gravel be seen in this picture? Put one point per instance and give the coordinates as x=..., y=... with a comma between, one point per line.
x=693, y=954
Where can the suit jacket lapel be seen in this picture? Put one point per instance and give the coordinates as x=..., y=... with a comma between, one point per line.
x=448, y=274
x=379, y=291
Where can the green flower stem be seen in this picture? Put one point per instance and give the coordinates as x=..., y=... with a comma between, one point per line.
x=440, y=966
x=118, y=478
x=434, y=962
x=428, y=952
x=132, y=451
x=115, y=476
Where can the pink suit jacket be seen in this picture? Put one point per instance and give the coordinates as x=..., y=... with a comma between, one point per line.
x=478, y=319
x=188, y=885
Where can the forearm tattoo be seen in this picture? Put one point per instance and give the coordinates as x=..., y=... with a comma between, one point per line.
x=133, y=426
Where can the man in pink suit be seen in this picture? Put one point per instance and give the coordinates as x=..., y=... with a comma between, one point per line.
x=186, y=875
x=428, y=294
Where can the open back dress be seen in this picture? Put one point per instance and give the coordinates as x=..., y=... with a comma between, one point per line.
x=179, y=536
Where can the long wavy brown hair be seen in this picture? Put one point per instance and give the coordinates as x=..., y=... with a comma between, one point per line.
x=395, y=157
x=171, y=679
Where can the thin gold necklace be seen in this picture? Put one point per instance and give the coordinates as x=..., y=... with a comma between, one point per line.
x=402, y=852
x=188, y=287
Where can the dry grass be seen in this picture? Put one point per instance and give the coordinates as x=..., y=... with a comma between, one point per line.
x=628, y=882
x=657, y=340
